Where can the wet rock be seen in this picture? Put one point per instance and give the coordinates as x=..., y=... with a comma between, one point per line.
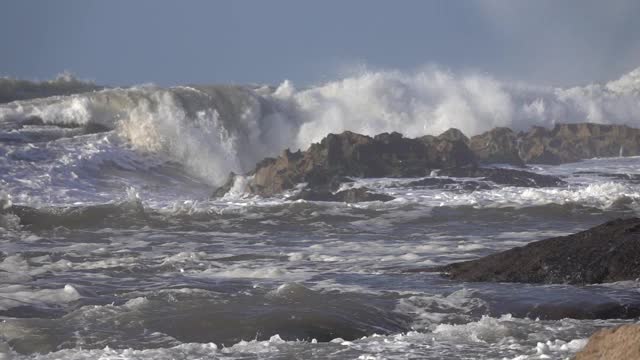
x=449, y=184
x=508, y=177
x=431, y=182
x=454, y=135
x=226, y=187
x=573, y=142
x=632, y=178
x=562, y=144
x=619, y=343
x=325, y=164
x=605, y=253
x=348, y=196
x=499, y=145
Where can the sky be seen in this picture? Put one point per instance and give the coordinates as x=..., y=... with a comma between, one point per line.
x=121, y=42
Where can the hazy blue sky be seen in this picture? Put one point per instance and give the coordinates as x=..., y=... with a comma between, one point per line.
x=171, y=42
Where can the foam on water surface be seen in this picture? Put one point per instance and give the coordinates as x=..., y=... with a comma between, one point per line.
x=121, y=253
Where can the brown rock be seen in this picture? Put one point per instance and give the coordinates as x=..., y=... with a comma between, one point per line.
x=573, y=142
x=620, y=343
x=499, y=145
x=324, y=164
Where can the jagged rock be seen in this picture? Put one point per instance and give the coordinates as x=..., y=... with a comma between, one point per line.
x=605, y=253
x=348, y=196
x=325, y=164
x=573, y=142
x=499, y=145
x=454, y=134
x=564, y=143
x=224, y=188
x=508, y=177
x=619, y=343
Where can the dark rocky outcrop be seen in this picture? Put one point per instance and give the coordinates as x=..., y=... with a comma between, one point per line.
x=348, y=196
x=499, y=145
x=605, y=253
x=508, y=177
x=325, y=164
x=619, y=343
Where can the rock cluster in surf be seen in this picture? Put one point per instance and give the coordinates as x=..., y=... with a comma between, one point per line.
x=324, y=164
x=562, y=144
x=329, y=163
x=606, y=253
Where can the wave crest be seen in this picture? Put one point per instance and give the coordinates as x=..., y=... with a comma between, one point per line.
x=213, y=130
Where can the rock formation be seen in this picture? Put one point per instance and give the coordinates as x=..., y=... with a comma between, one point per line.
x=562, y=144
x=499, y=145
x=572, y=142
x=620, y=343
x=324, y=164
x=605, y=253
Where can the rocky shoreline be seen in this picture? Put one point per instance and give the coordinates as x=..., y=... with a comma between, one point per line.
x=324, y=166
x=606, y=253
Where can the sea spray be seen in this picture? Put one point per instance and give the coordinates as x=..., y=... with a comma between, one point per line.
x=213, y=130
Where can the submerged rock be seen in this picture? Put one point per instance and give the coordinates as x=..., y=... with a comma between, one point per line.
x=605, y=253
x=348, y=196
x=508, y=177
x=619, y=343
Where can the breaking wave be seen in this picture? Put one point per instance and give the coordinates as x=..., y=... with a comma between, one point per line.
x=213, y=130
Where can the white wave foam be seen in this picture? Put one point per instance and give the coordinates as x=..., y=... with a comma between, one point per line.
x=592, y=191
x=602, y=195
x=427, y=311
x=432, y=101
x=18, y=295
x=182, y=351
x=215, y=130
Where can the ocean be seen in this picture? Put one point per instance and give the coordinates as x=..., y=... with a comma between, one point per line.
x=123, y=253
